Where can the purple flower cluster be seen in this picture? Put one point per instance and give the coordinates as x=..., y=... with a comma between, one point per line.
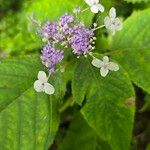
x=66, y=19
x=50, y=57
x=48, y=30
x=65, y=24
x=81, y=40
x=56, y=31
x=68, y=33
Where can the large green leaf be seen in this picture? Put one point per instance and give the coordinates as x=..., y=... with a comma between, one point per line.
x=81, y=136
x=132, y=48
x=105, y=110
x=15, y=37
x=28, y=120
x=135, y=33
x=16, y=76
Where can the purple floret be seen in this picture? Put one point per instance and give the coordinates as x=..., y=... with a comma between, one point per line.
x=80, y=40
x=65, y=24
x=66, y=19
x=50, y=57
x=49, y=30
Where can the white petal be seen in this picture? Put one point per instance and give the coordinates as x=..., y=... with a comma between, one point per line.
x=97, y=63
x=48, y=89
x=105, y=59
x=118, y=24
x=95, y=1
x=112, y=13
x=104, y=71
x=94, y=9
x=113, y=66
x=101, y=7
x=107, y=22
x=38, y=86
x=42, y=76
x=91, y=2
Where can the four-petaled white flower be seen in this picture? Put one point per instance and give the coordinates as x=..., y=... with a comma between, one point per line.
x=105, y=65
x=95, y=6
x=112, y=22
x=42, y=85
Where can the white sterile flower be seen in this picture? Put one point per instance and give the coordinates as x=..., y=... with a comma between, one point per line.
x=95, y=6
x=42, y=85
x=105, y=65
x=112, y=22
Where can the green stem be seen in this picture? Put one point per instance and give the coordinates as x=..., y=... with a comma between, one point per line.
x=67, y=104
x=84, y=10
x=99, y=27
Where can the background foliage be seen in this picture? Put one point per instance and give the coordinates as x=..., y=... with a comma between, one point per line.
x=87, y=112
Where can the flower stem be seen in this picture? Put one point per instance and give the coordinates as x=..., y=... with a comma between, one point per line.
x=99, y=27
x=91, y=54
x=84, y=10
x=68, y=103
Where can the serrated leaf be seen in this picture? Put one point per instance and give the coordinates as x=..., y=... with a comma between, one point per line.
x=105, y=110
x=28, y=120
x=16, y=76
x=132, y=48
x=81, y=136
x=137, y=33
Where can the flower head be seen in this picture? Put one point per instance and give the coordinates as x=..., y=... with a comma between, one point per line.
x=95, y=6
x=50, y=57
x=105, y=65
x=111, y=22
x=42, y=85
x=65, y=24
x=48, y=30
x=81, y=39
x=66, y=19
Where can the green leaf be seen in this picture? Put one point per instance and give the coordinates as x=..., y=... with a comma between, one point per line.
x=148, y=146
x=54, y=9
x=146, y=106
x=105, y=110
x=137, y=1
x=17, y=37
x=28, y=120
x=132, y=48
x=135, y=33
x=16, y=76
x=80, y=135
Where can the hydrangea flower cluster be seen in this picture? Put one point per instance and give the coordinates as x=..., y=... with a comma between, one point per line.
x=81, y=40
x=68, y=31
x=50, y=57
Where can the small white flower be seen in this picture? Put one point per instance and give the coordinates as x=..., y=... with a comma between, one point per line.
x=42, y=85
x=105, y=65
x=111, y=22
x=95, y=6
